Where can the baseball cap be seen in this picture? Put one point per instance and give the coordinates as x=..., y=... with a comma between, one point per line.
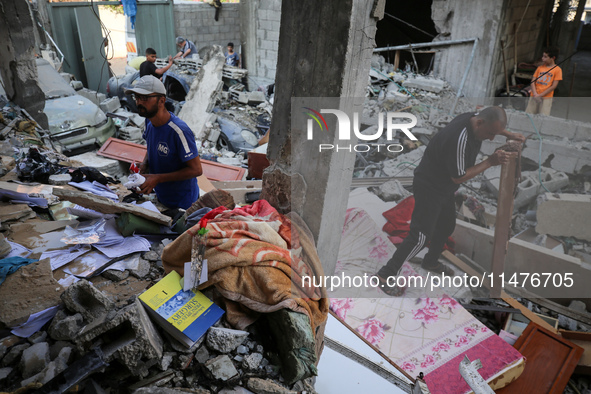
x=148, y=84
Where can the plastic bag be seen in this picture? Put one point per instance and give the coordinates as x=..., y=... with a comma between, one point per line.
x=84, y=233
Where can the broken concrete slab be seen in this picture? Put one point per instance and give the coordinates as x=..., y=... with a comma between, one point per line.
x=392, y=191
x=29, y=290
x=523, y=257
x=404, y=164
x=115, y=275
x=4, y=372
x=267, y=386
x=221, y=368
x=424, y=83
x=105, y=205
x=129, y=337
x=64, y=327
x=34, y=359
x=60, y=179
x=103, y=164
x=14, y=211
x=565, y=215
x=529, y=187
x=82, y=297
x=143, y=269
x=224, y=340
x=202, y=355
x=204, y=91
x=51, y=370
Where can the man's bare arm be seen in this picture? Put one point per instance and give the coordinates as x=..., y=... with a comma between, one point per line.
x=192, y=170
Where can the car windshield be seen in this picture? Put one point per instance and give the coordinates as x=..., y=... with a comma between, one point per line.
x=52, y=84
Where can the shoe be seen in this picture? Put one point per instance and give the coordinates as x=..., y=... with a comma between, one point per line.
x=392, y=291
x=439, y=269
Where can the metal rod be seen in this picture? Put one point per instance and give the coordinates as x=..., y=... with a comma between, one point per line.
x=425, y=44
x=465, y=76
x=408, y=24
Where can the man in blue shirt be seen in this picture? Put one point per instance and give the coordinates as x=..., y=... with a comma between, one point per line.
x=172, y=158
x=232, y=58
x=187, y=49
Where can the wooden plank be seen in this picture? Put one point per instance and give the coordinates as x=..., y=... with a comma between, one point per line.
x=527, y=313
x=205, y=184
x=503, y=220
x=551, y=361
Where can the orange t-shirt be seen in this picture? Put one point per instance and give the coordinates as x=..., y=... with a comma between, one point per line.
x=547, y=79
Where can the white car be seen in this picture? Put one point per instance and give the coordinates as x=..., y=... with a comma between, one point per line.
x=75, y=122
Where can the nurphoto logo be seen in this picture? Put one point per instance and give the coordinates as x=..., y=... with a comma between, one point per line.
x=393, y=125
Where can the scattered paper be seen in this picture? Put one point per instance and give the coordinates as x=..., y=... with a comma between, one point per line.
x=18, y=250
x=61, y=257
x=126, y=246
x=35, y=322
x=85, y=265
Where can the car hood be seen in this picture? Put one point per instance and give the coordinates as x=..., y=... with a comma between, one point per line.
x=72, y=112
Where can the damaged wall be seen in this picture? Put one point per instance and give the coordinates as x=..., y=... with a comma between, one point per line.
x=17, y=63
x=260, y=22
x=196, y=23
x=457, y=19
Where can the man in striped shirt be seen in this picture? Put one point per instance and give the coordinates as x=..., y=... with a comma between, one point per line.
x=172, y=158
x=448, y=161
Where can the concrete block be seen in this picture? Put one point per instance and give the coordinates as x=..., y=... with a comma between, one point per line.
x=256, y=97
x=527, y=190
x=64, y=327
x=60, y=179
x=34, y=359
x=221, y=368
x=92, y=95
x=142, y=270
x=553, y=180
x=558, y=127
x=130, y=337
x=115, y=275
x=4, y=372
x=392, y=191
x=110, y=104
x=424, y=83
x=519, y=121
x=50, y=371
x=583, y=132
x=84, y=298
x=224, y=340
x=565, y=215
x=202, y=355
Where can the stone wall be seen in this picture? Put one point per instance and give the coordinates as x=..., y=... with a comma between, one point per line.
x=195, y=22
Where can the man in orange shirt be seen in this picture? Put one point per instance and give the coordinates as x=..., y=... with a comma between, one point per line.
x=544, y=82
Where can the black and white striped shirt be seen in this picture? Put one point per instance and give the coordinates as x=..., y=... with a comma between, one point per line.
x=449, y=154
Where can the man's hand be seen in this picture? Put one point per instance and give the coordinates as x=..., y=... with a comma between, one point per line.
x=143, y=168
x=170, y=60
x=500, y=157
x=151, y=181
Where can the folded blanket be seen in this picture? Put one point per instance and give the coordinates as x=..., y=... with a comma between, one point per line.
x=256, y=257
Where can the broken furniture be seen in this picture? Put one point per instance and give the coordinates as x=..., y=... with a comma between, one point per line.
x=130, y=152
x=551, y=361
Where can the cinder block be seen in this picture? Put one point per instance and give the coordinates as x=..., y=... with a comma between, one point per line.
x=110, y=105
x=558, y=127
x=565, y=215
x=521, y=122
x=129, y=337
x=84, y=298
x=583, y=132
x=527, y=190
x=553, y=180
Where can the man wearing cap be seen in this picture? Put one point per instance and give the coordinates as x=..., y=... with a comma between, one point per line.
x=187, y=49
x=172, y=158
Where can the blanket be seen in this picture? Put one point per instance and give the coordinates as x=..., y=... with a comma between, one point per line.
x=256, y=260
x=425, y=330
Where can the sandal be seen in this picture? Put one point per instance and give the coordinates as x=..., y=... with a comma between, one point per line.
x=439, y=269
x=392, y=291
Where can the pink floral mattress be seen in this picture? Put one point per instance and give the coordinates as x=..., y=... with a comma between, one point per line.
x=421, y=331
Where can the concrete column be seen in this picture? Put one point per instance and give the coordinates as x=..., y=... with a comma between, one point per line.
x=17, y=60
x=324, y=51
